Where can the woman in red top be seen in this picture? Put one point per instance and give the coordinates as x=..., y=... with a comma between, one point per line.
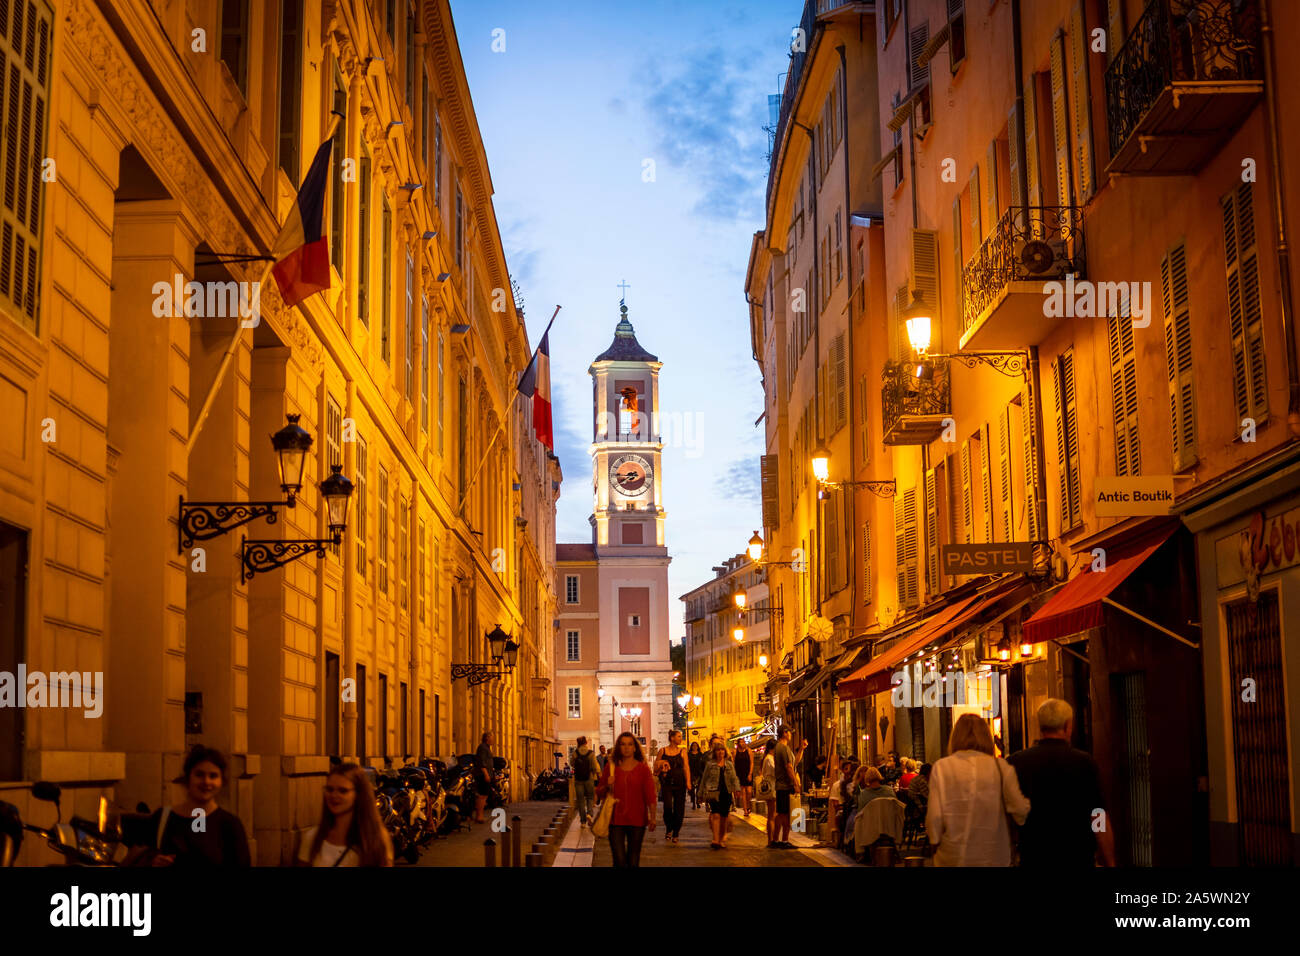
x=628, y=777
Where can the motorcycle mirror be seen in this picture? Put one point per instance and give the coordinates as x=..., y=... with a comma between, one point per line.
x=44, y=790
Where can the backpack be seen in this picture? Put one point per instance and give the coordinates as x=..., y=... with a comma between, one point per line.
x=582, y=766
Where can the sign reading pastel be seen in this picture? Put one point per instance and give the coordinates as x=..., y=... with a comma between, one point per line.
x=986, y=558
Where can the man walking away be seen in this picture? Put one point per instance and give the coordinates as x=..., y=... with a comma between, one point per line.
x=1067, y=823
x=786, y=782
x=585, y=770
x=484, y=770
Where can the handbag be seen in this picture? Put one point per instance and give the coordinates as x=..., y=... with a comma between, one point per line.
x=1013, y=828
x=600, y=826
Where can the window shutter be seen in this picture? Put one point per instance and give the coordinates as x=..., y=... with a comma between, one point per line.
x=905, y=547
x=986, y=481
x=831, y=549
x=967, y=502
x=24, y=93
x=1081, y=94
x=864, y=430
x=958, y=265
x=866, y=562
x=1027, y=430
x=1016, y=186
x=902, y=348
x=1123, y=386
x=1032, y=192
x=976, y=233
x=840, y=354
x=1115, y=34
x=932, y=533
x=1006, y=520
x=925, y=268
x=956, y=32
x=916, y=41
x=1245, y=318
x=1060, y=122
x=769, y=475
x=1067, y=440
x=991, y=206
x=1178, y=356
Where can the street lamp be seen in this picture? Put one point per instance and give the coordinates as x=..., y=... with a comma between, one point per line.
x=755, y=548
x=266, y=554
x=821, y=463
x=882, y=489
x=504, y=651
x=918, y=317
x=739, y=597
x=291, y=444
x=738, y=633
x=762, y=660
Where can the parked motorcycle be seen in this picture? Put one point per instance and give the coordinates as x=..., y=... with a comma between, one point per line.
x=105, y=842
x=552, y=784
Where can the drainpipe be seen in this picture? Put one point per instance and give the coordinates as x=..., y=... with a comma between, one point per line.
x=348, y=745
x=845, y=220
x=1279, y=216
x=1019, y=144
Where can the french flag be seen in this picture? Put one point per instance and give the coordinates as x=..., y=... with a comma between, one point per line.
x=536, y=383
x=301, y=251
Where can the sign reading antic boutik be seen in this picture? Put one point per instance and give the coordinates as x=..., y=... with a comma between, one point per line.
x=986, y=558
x=1124, y=497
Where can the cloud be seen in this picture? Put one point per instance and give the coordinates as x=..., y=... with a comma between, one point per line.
x=741, y=481
x=708, y=117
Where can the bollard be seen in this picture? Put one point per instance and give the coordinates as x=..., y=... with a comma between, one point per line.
x=515, y=837
x=882, y=855
x=489, y=853
x=533, y=859
x=543, y=847
x=505, y=848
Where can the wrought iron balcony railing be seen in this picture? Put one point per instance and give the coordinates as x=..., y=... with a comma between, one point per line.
x=914, y=408
x=1029, y=244
x=1176, y=42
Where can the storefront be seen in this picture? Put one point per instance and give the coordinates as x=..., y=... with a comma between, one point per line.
x=1129, y=664
x=1247, y=538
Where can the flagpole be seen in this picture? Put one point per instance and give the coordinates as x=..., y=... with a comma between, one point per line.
x=239, y=333
x=534, y=355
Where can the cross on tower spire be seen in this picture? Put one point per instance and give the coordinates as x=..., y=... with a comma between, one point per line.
x=623, y=286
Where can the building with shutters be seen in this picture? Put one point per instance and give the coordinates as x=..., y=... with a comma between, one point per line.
x=163, y=141
x=1099, y=254
x=613, y=670
x=725, y=651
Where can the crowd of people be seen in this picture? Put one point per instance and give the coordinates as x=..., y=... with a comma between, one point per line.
x=1042, y=806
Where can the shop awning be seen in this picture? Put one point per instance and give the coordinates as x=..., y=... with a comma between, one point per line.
x=873, y=676
x=813, y=684
x=848, y=658
x=1079, y=604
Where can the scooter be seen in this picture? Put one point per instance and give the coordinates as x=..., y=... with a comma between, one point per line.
x=81, y=842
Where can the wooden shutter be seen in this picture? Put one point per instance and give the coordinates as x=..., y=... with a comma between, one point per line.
x=958, y=264
x=931, y=533
x=1178, y=357
x=24, y=98
x=1060, y=122
x=986, y=480
x=1033, y=196
x=1016, y=183
x=925, y=272
x=1244, y=315
x=902, y=347
x=1027, y=431
x=866, y=562
x=967, y=499
x=770, y=475
x=1081, y=94
x=1006, y=512
x=956, y=33
x=1115, y=33
x=839, y=356
x=1123, y=387
x=916, y=41
x=905, y=547
x=831, y=568
x=976, y=233
x=1067, y=440
x=864, y=429
x=991, y=200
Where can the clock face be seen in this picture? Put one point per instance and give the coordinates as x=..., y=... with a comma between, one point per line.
x=630, y=474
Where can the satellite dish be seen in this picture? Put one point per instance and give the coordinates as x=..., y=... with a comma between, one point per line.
x=1036, y=256
x=819, y=628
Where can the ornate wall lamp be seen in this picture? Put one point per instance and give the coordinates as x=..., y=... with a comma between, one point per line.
x=504, y=651
x=201, y=520
x=1012, y=362
x=266, y=554
x=821, y=466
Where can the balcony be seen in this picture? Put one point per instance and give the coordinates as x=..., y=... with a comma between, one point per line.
x=1002, y=284
x=914, y=410
x=1187, y=75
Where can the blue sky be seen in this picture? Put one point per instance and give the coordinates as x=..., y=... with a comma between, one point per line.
x=582, y=96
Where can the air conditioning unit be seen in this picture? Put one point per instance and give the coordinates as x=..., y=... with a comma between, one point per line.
x=1037, y=257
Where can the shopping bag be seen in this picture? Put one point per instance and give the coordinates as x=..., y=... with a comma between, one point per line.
x=606, y=813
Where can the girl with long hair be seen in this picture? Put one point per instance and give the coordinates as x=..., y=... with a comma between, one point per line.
x=350, y=832
x=695, y=761
x=718, y=786
x=627, y=776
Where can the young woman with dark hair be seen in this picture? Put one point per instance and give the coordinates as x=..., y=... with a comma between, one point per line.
x=627, y=776
x=350, y=832
x=197, y=832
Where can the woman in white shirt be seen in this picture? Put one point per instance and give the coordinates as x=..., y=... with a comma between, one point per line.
x=350, y=832
x=972, y=792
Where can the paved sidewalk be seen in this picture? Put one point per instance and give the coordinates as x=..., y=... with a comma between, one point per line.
x=465, y=847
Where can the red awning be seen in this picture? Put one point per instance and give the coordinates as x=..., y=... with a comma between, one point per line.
x=1078, y=605
x=867, y=679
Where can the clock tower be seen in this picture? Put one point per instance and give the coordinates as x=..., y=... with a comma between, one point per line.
x=613, y=672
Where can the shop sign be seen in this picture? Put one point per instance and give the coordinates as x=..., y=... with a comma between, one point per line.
x=1129, y=496
x=1272, y=544
x=986, y=558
